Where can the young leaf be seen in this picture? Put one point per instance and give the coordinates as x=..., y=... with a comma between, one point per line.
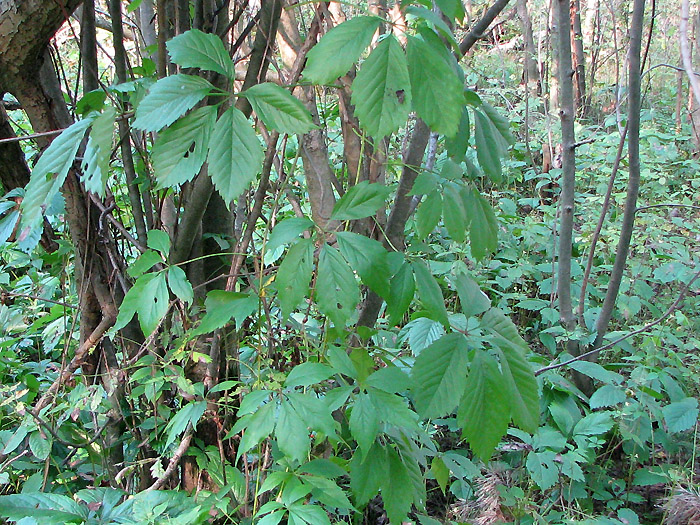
x=169, y=99
x=180, y=286
x=187, y=415
x=278, y=109
x=180, y=150
x=436, y=21
x=361, y=200
x=368, y=258
x=401, y=292
x=97, y=152
x=440, y=472
x=483, y=227
x=364, y=424
x=46, y=180
x=381, y=90
x=339, y=49
x=337, y=292
x=292, y=434
x=439, y=376
x=294, y=275
x=428, y=214
x=222, y=306
x=437, y=91
x=205, y=51
x=235, y=154
x=430, y=293
x=484, y=411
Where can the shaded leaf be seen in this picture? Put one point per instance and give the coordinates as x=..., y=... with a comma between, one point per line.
x=362, y=200
x=381, y=91
x=98, y=151
x=294, y=275
x=337, y=292
x=206, y=51
x=278, y=109
x=368, y=258
x=402, y=288
x=339, y=49
x=430, y=293
x=169, y=99
x=235, y=154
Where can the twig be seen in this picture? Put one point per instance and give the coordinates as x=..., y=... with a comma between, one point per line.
x=37, y=298
x=586, y=141
x=172, y=465
x=644, y=328
x=667, y=205
x=32, y=136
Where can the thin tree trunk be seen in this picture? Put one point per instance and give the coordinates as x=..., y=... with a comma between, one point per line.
x=530, y=70
x=579, y=66
x=634, y=109
x=568, y=177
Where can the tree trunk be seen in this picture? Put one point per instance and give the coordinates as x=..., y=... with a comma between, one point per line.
x=531, y=74
x=579, y=64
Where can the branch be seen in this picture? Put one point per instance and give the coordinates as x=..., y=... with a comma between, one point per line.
x=172, y=465
x=644, y=328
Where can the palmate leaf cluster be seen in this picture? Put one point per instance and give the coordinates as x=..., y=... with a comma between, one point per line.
x=371, y=410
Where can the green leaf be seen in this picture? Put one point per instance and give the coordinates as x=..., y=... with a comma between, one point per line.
x=396, y=495
x=367, y=474
x=16, y=439
x=681, y=415
x=187, y=415
x=8, y=224
x=235, y=154
x=437, y=91
x=542, y=466
x=596, y=371
x=294, y=275
x=309, y=514
x=458, y=144
x=40, y=445
x=428, y=214
x=278, y=109
x=453, y=9
x=389, y=379
x=453, y=213
x=368, y=258
x=430, y=293
x=314, y=411
x=180, y=150
x=484, y=411
x=144, y=263
x=258, y=426
x=46, y=180
x=595, y=424
x=149, y=298
x=273, y=518
x=436, y=21
x=364, y=424
x=521, y=385
x=292, y=434
x=361, y=200
x=222, y=306
x=501, y=124
x=337, y=292
x=607, y=396
x=205, y=51
x=324, y=468
x=307, y=374
x=51, y=509
x=441, y=473
x=98, y=151
x=169, y=99
x=439, y=376
x=180, y=286
x=286, y=231
x=483, y=228
x=471, y=298
x=339, y=49
x=381, y=91
x=489, y=146
x=158, y=240
x=401, y=292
